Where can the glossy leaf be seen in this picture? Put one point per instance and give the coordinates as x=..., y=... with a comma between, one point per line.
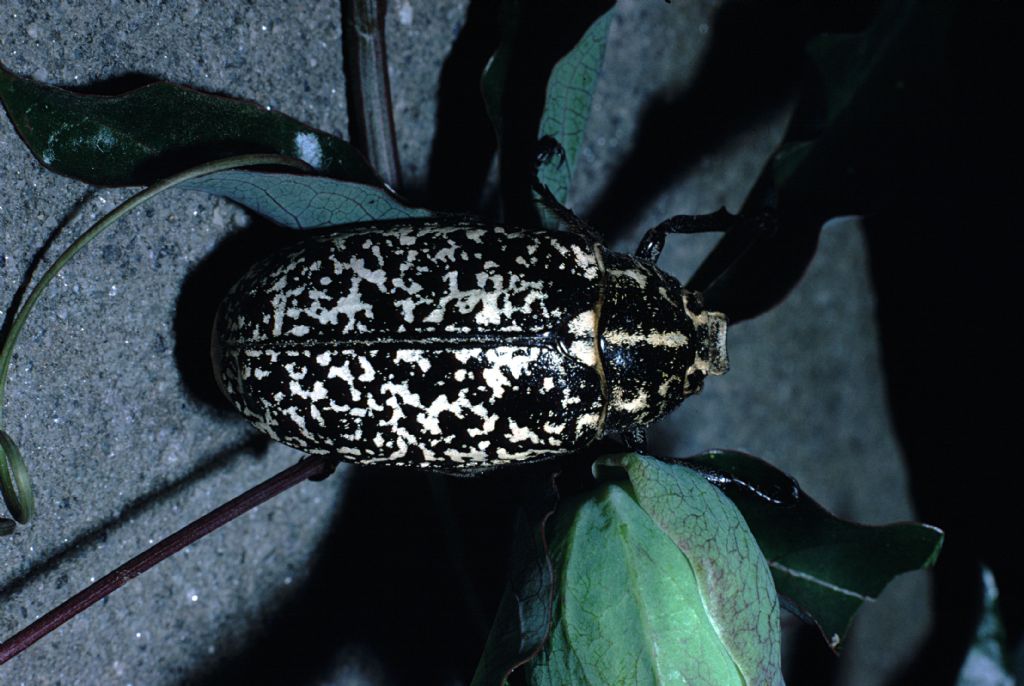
x=986, y=663
x=303, y=201
x=629, y=608
x=157, y=130
x=824, y=567
x=864, y=124
x=524, y=613
x=733, y=576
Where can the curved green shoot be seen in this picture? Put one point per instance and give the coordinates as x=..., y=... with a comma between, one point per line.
x=15, y=485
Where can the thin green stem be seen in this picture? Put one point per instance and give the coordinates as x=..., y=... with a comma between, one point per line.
x=14, y=482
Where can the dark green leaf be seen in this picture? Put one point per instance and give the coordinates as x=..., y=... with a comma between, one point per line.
x=735, y=583
x=986, y=663
x=160, y=129
x=866, y=122
x=305, y=202
x=826, y=567
x=629, y=608
x=524, y=614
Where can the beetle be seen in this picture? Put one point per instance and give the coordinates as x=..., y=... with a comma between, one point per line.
x=459, y=346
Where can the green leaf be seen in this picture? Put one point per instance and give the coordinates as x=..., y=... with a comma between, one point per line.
x=154, y=131
x=733, y=576
x=986, y=663
x=567, y=108
x=629, y=607
x=305, y=202
x=825, y=566
x=524, y=615
x=539, y=83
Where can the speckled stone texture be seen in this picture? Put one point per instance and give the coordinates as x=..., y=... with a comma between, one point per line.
x=107, y=401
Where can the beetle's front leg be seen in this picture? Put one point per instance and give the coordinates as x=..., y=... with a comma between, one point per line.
x=654, y=240
x=635, y=439
x=743, y=228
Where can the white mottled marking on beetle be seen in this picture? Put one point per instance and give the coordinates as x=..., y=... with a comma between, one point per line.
x=504, y=362
x=583, y=347
x=414, y=357
x=293, y=373
x=635, y=274
x=520, y=434
x=636, y=405
x=318, y=393
x=587, y=421
x=656, y=339
x=486, y=428
x=467, y=354
x=367, y=368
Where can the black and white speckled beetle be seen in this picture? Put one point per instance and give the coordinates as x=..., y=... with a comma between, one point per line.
x=459, y=346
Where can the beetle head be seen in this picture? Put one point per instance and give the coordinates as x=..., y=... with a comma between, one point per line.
x=657, y=343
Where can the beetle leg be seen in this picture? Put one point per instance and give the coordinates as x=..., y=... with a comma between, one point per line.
x=547, y=148
x=635, y=439
x=654, y=240
x=741, y=238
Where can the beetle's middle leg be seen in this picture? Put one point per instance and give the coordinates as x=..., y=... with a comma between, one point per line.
x=547, y=148
x=654, y=240
x=721, y=221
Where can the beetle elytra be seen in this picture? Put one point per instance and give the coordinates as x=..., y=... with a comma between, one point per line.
x=455, y=345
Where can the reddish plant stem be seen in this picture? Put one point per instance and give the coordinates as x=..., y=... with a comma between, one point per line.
x=371, y=115
x=314, y=467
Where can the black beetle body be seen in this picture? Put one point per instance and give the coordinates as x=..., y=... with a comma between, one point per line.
x=457, y=345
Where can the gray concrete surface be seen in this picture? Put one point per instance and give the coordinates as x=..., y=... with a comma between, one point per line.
x=98, y=405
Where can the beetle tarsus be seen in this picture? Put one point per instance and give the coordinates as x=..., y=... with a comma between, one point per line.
x=547, y=148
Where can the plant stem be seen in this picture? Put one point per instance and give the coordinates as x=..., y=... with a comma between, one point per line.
x=312, y=467
x=371, y=115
